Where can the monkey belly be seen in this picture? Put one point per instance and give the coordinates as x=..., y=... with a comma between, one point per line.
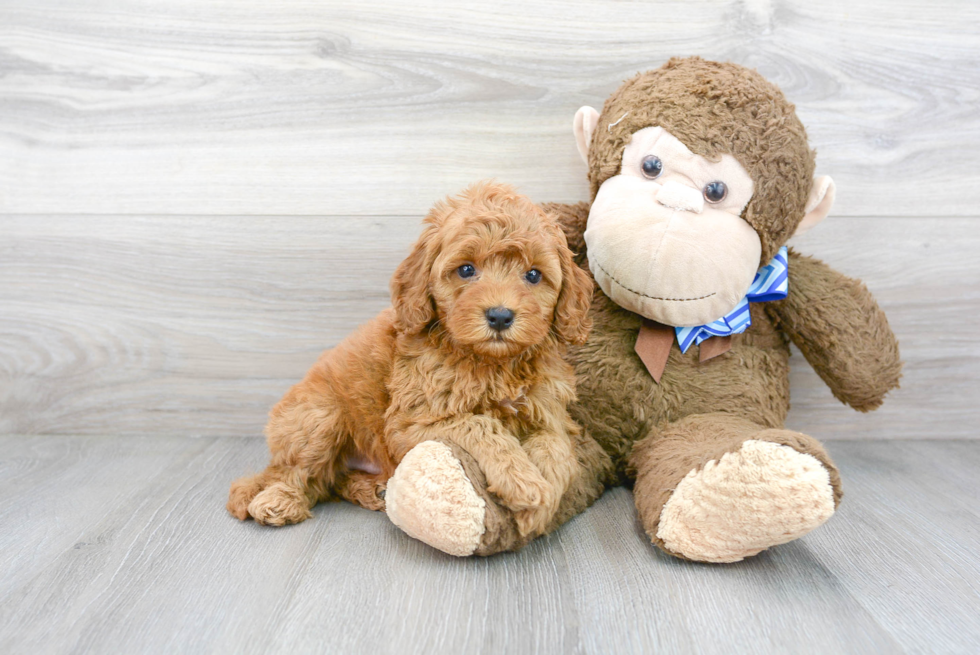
x=618, y=400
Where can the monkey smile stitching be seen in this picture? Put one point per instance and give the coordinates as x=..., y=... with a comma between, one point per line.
x=643, y=295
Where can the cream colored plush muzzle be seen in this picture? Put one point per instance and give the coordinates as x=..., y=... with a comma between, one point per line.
x=674, y=266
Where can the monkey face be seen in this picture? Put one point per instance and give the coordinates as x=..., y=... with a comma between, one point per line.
x=665, y=236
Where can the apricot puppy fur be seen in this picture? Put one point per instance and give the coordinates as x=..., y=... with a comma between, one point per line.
x=471, y=352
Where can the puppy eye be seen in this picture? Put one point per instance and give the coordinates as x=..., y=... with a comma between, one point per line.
x=715, y=191
x=533, y=276
x=466, y=270
x=652, y=166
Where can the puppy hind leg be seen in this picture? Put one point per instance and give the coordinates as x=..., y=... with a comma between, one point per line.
x=312, y=437
x=274, y=497
x=306, y=441
x=242, y=492
x=270, y=498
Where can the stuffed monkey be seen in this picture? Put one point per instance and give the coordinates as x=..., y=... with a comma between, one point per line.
x=699, y=172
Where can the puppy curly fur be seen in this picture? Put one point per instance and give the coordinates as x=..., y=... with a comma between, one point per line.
x=431, y=367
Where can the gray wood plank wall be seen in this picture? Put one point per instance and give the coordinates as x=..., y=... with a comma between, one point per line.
x=196, y=198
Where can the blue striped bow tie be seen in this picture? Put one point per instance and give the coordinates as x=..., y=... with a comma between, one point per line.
x=770, y=283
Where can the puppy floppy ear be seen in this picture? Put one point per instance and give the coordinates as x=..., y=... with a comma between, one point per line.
x=572, y=320
x=414, y=305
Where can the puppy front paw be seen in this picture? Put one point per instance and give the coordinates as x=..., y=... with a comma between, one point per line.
x=526, y=490
x=534, y=521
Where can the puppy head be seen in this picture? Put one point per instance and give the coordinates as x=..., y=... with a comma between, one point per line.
x=496, y=271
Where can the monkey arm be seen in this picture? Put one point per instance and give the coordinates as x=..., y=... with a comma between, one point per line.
x=838, y=326
x=572, y=220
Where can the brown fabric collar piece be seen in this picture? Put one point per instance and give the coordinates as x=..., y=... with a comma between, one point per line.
x=655, y=340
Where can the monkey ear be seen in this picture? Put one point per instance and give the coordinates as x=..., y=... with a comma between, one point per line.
x=414, y=305
x=586, y=119
x=572, y=319
x=818, y=204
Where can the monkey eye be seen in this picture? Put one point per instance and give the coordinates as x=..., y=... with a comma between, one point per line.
x=533, y=276
x=652, y=166
x=466, y=270
x=715, y=191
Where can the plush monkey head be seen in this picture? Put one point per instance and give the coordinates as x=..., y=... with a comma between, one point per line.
x=700, y=171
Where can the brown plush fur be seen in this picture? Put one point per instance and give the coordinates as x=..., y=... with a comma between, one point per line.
x=838, y=326
x=660, y=461
x=431, y=368
x=655, y=433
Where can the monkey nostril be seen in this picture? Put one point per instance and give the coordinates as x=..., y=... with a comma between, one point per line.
x=499, y=318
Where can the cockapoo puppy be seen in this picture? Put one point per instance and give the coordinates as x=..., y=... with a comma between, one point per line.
x=471, y=352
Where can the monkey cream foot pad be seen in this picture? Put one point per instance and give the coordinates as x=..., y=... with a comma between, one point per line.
x=430, y=498
x=763, y=495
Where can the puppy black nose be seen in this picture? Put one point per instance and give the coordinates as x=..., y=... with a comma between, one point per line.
x=500, y=318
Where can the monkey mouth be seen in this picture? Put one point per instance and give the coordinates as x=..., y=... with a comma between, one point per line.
x=643, y=295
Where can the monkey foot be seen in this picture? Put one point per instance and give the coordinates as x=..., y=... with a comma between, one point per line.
x=761, y=495
x=431, y=499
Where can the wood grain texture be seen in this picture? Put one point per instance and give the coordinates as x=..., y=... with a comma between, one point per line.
x=197, y=325
x=377, y=107
x=181, y=326
x=55, y=490
x=131, y=551
x=926, y=276
x=906, y=540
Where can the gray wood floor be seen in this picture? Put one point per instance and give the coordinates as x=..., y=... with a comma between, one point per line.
x=122, y=545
